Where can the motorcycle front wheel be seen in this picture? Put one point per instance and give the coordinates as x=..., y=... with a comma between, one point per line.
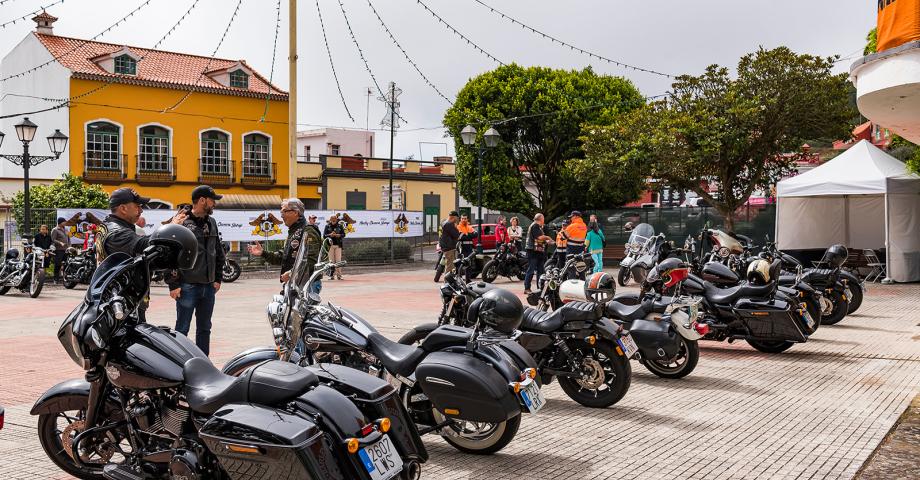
x=605, y=375
x=56, y=432
x=623, y=276
x=490, y=271
x=231, y=271
x=681, y=365
x=839, y=308
x=36, y=283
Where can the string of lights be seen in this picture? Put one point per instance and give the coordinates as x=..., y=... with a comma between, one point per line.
x=271, y=75
x=338, y=84
x=464, y=37
x=572, y=47
x=361, y=54
x=67, y=102
x=408, y=59
x=80, y=45
x=5, y=1
x=207, y=66
x=29, y=15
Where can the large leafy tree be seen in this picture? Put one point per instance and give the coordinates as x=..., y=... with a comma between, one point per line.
x=67, y=192
x=731, y=133
x=539, y=113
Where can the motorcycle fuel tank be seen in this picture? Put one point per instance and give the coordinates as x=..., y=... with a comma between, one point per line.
x=719, y=274
x=154, y=359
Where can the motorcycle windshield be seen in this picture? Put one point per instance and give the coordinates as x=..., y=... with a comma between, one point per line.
x=641, y=233
x=110, y=269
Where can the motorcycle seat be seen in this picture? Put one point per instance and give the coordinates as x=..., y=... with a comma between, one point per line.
x=396, y=357
x=539, y=321
x=268, y=383
x=728, y=295
x=627, y=313
x=446, y=336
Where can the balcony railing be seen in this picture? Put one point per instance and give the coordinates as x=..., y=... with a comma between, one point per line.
x=258, y=173
x=104, y=167
x=212, y=175
x=155, y=169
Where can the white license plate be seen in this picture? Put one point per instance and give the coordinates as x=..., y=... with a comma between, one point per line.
x=628, y=345
x=810, y=321
x=531, y=395
x=847, y=294
x=381, y=460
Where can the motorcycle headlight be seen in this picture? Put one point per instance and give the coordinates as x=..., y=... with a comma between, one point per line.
x=724, y=252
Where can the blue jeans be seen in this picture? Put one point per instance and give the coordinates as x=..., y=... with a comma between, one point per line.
x=598, y=261
x=535, y=261
x=197, y=298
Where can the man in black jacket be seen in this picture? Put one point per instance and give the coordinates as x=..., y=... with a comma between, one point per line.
x=335, y=232
x=299, y=233
x=194, y=289
x=117, y=233
x=448, y=241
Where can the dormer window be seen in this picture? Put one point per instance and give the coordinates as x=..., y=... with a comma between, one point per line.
x=125, y=65
x=239, y=79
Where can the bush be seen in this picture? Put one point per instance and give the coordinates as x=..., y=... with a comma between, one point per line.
x=67, y=192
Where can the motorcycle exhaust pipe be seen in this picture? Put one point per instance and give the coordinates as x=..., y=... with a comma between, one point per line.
x=412, y=471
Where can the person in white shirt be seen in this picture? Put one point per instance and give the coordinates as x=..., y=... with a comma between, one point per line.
x=515, y=233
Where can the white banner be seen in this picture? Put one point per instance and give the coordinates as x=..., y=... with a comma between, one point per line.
x=253, y=225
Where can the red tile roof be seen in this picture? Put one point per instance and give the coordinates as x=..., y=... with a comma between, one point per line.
x=158, y=68
x=45, y=16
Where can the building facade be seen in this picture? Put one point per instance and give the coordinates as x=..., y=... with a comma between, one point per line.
x=334, y=141
x=160, y=122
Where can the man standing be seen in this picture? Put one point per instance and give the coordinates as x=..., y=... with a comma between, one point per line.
x=575, y=235
x=299, y=233
x=536, y=251
x=42, y=240
x=448, y=241
x=117, y=233
x=336, y=234
x=467, y=234
x=60, y=242
x=194, y=289
x=315, y=241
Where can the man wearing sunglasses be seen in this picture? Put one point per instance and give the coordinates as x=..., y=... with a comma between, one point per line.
x=299, y=232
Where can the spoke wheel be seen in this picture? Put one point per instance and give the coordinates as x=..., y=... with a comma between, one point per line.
x=36, y=283
x=605, y=375
x=479, y=438
x=58, y=430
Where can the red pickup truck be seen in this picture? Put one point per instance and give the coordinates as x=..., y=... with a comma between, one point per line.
x=488, y=238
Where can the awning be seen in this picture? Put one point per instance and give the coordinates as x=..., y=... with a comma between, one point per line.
x=244, y=201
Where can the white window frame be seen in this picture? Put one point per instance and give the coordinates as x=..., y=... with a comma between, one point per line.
x=201, y=156
x=121, y=135
x=267, y=170
x=140, y=146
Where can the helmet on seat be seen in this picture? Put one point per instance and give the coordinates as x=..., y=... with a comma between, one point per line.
x=499, y=309
x=180, y=244
x=835, y=256
x=12, y=254
x=759, y=272
x=600, y=287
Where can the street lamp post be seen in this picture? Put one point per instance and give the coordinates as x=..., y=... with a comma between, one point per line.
x=490, y=140
x=25, y=131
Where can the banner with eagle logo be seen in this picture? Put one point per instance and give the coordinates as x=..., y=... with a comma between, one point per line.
x=260, y=225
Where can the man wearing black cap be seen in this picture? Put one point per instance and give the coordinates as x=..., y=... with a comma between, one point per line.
x=194, y=289
x=448, y=242
x=60, y=241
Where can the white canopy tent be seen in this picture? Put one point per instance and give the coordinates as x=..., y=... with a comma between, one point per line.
x=863, y=198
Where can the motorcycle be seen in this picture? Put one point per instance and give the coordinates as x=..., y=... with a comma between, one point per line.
x=846, y=284
x=28, y=274
x=637, y=246
x=152, y=405
x=231, y=270
x=78, y=267
x=507, y=262
x=468, y=387
x=663, y=328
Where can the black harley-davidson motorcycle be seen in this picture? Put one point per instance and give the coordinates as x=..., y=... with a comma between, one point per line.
x=28, y=274
x=768, y=317
x=507, y=262
x=78, y=267
x=460, y=383
x=153, y=406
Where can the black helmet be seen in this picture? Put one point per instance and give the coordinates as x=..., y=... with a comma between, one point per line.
x=499, y=309
x=835, y=256
x=12, y=254
x=181, y=243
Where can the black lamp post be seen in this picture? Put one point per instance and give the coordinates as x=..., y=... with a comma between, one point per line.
x=25, y=131
x=490, y=140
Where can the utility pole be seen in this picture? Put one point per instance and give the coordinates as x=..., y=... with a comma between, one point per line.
x=292, y=99
x=392, y=137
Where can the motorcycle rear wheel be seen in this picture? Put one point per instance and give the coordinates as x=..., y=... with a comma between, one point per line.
x=4, y=289
x=840, y=310
x=602, y=388
x=498, y=437
x=770, y=347
x=69, y=284
x=36, y=283
x=623, y=276
x=490, y=271
x=687, y=357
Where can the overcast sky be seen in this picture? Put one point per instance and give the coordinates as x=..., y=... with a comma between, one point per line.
x=673, y=36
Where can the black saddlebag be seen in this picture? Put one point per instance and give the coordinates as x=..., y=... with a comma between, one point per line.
x=466, y=388
x=254, y=442
x=376, y=399
x=651, y=336
x=770, y=320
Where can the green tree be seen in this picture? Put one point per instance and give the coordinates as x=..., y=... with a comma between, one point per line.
x=731, y=133
x=539, y=113
x=67, y=192
x=871, y=42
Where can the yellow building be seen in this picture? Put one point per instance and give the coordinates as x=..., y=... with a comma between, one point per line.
x=160, y=122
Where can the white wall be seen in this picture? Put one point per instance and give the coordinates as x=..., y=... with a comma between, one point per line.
x=51, y=81
x=351, y=142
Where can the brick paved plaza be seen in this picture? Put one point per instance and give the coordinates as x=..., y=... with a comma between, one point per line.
x=816, y=411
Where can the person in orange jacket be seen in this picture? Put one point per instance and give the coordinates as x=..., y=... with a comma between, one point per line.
x=575, y=234
x=560, y=251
